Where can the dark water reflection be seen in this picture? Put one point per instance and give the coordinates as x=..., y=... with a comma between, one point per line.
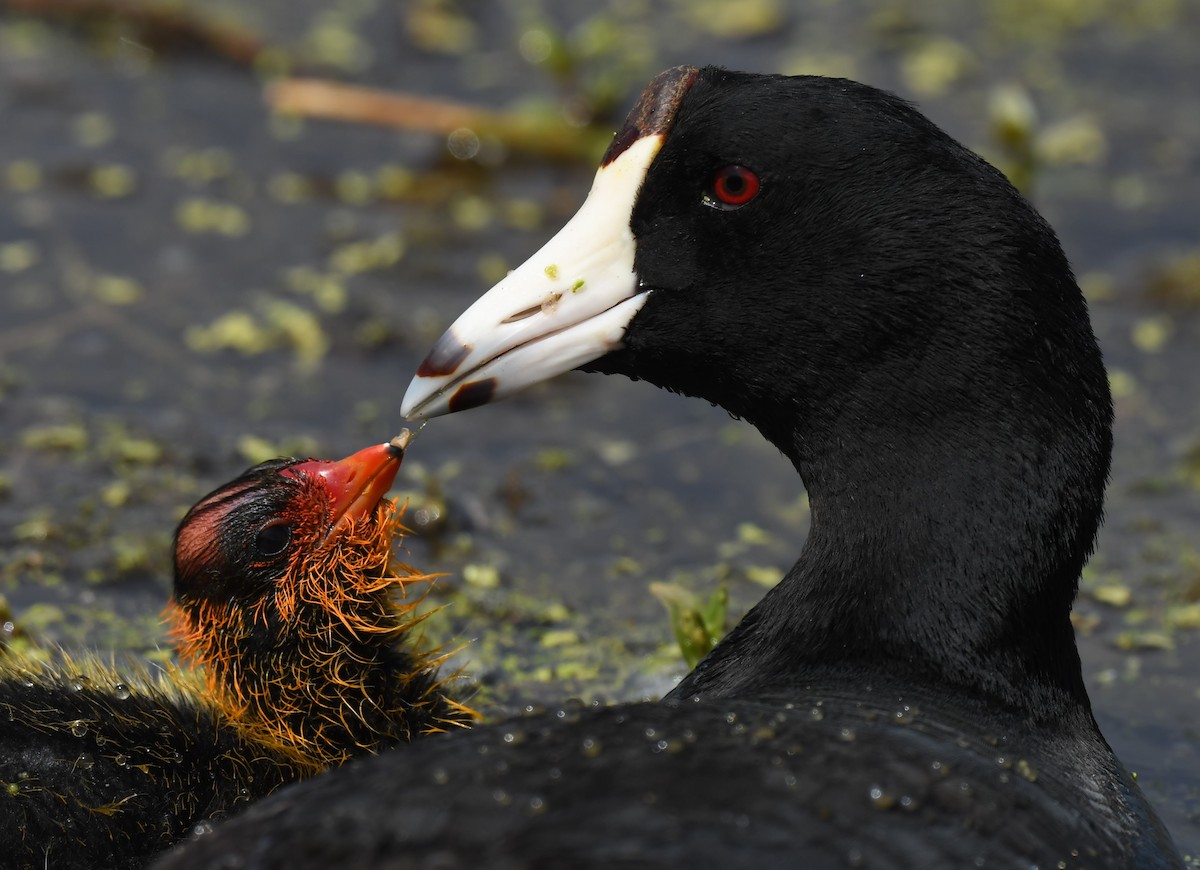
x=142, y=197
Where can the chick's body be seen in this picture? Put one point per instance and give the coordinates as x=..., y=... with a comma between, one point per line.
x=286, y=606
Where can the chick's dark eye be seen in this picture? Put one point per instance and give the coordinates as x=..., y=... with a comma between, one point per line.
x=273, y=539
x=732, y=187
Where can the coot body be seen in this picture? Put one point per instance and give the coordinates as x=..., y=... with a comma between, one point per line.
x=814, y=256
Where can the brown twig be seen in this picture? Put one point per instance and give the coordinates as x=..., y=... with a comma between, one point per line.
x=547, y=137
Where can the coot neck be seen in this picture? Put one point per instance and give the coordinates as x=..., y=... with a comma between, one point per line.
x=945, y=550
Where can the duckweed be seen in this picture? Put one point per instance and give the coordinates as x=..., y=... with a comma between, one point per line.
x=1144, y=640
x=116, y=289
x=18, y=257
x=492, y=268
x=440, y=28
x=354, y=187
x=22, y=176
x=1150, y=334
x=63, y=437
x=481, y=576
x=1076, y=140
x=289, y=187
x=767, y=576
x=112, y=181
x=1113, y=594
x=935, y=66
x=199, y=215
x=370, y=255
x=93, y=129
x=281, y=324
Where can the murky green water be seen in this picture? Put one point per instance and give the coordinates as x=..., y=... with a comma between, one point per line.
x=187, y=283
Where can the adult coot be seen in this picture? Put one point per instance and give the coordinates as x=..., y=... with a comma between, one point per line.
x=815, y=256
x=284, y=596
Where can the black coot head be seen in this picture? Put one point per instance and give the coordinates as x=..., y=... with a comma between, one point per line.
x=815, y=256
x=864, y=271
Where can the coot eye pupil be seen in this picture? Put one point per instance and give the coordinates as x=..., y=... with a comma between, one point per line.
x=732, y=187
x=273, y=539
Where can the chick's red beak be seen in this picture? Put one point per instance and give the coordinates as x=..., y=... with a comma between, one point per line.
x=356, y=483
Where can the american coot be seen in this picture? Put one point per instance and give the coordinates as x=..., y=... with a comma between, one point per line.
x=816, y=257
x=284, y=596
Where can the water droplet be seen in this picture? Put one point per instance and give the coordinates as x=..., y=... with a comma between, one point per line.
x=121, y=691
x=79, y=728
x=509, y=737
x=501, y=797
x=651, y=733
x=847, y=735
x=816, y=714
x=440, y=776
x=880, y=799
x=591, y=747
x=201, y=828
x=85, y=762
x=537, y=805
x=660, y=746
x=121, y=760
x=463, y=143
x=1004, y=762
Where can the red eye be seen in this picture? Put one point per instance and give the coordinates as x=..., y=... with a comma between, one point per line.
x=732, y=187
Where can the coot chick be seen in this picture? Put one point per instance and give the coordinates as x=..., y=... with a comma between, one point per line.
x=817, y=257
x=285, y=597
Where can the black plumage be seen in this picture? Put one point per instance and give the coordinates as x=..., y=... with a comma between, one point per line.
x=815, y=256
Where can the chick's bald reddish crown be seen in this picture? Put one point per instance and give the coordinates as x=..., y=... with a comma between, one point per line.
x=236, y=540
